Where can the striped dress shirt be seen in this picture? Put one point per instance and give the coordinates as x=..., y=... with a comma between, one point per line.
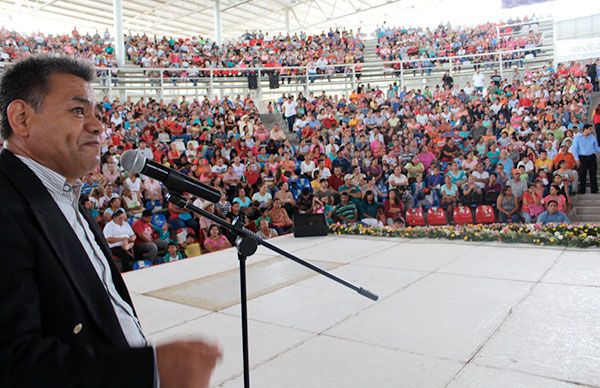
x=66, y=197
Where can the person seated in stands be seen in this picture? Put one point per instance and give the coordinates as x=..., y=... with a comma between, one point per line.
x=458, y=176
x=121, y=239
x=450, y=195
x=563, y=189
x=191, y=247
x=397, y=180
x=284, y=195
x=263, y=197
x=280, y=219
x=265, y=231
x=472, y=195
x=566, y=175
x=556, y=196
x=305, y=201
x=532, y=205
x=508, y=206
x=552, y=215
x=215, y=241
x=393, y=208
x=517, y=184
x=346, y=212
x=173, y=254
x=131, y=202
x=242, y=199
x=114, y=204
x=147, y=245
x=370, y=212
x=480, y=176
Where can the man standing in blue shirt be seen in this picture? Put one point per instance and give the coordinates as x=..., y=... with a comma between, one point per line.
x=584, y=149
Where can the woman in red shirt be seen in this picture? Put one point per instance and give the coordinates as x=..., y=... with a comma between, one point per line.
x=393, y=208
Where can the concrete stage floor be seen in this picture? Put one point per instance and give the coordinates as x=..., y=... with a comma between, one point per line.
x=450, y=314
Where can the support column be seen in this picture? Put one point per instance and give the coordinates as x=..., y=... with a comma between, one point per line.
x=218, y=27
x=287, y=20
x=118, y=25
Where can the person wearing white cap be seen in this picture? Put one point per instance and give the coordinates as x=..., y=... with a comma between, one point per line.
x=350, y=188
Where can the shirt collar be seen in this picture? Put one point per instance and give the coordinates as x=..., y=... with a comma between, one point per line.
x=52, y=180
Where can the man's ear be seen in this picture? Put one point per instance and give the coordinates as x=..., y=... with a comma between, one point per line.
x=19, y=115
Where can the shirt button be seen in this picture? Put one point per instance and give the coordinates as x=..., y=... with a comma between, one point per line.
x=77, y=328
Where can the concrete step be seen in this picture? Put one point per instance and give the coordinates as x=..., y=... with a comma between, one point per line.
x=593, y=219
x=587, y=210
x=588, y=196
x=587, y=202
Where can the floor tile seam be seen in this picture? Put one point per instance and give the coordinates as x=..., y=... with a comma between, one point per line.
x=570, y=284
x=562, y=254
x=486, y=277
x=509, y=313
x=181, y=323
x=269, y=323
x=385, y=267
x=375, y=252
x=492, y=277
x=371, y=305
x=354, y=260
x=459, y=256
x=431, y=356
x=264, y=362
x=584, y=385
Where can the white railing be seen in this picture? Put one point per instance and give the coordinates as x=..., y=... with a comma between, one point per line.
x=345, y=76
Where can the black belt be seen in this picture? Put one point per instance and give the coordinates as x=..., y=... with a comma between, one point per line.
x=587, y=156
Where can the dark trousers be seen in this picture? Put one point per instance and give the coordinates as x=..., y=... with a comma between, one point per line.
x=290, y=122
x=125, y=258
x=588, y=165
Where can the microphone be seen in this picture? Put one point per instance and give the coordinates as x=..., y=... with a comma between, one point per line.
x=136, y=162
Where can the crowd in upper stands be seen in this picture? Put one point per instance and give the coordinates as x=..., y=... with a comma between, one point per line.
x=424, y=45
x=249, y=51
x=257, y=49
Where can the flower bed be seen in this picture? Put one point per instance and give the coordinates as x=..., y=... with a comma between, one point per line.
x=580, y=236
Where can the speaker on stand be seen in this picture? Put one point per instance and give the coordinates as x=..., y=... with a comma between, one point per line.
x=306, y=225
x=274, y=81
x=252, y=81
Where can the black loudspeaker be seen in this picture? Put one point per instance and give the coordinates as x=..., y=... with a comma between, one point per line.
x=309, y=225
x=252, y=81
x=273, y=81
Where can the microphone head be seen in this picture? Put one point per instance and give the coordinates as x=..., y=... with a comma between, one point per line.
x=133, y=161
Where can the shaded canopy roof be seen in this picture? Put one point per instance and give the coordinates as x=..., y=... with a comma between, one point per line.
x=196, y=17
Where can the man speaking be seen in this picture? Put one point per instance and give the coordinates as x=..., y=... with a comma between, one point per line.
x=66, y=318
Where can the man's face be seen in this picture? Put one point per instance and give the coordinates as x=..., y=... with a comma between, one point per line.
x=65, y=134
x=552, y=208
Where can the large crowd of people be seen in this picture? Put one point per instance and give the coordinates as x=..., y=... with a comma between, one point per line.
x=515, y=144
x=369, y=157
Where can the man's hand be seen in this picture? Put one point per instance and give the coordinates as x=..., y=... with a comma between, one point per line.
x=578, y=162
x=186, y=364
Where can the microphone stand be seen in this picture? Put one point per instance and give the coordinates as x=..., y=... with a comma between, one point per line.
x=246, y=244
